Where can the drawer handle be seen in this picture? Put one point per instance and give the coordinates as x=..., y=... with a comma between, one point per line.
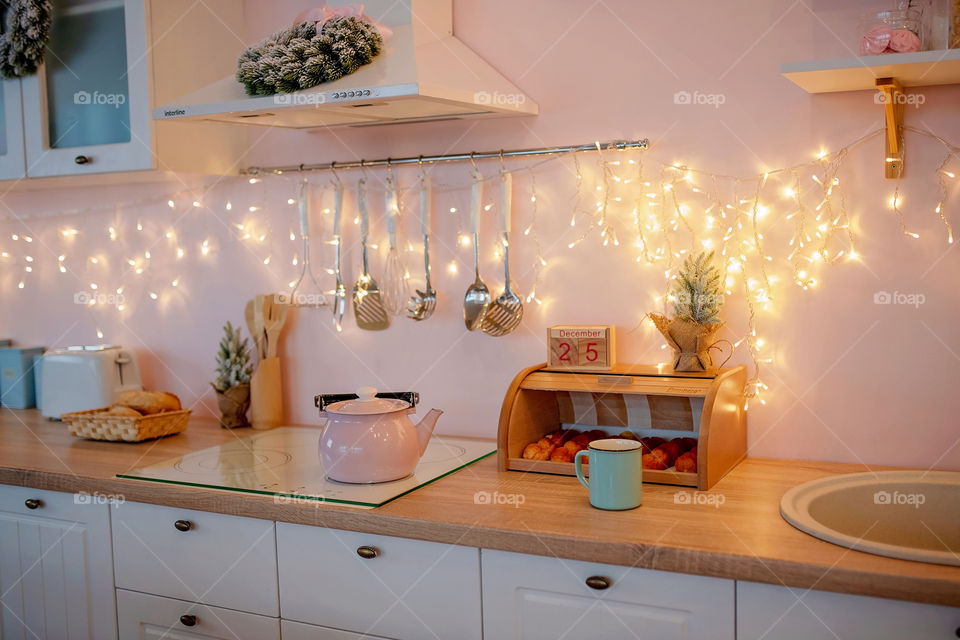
x=368, y=553
x=183, y=525
x=188, y=620
x=83, y=159
x=598, y=582
x=32, y=503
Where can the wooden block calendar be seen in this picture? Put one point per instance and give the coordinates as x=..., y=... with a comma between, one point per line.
x=583, y=347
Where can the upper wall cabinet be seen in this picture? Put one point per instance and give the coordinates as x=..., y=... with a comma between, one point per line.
x=87, y=109
x=11, y=131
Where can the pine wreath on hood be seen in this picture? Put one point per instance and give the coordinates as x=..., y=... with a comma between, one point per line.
x=24, y=40
x=301, y=56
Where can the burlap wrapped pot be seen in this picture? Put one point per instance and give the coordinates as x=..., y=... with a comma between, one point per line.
x=234, y=403
x=691, y=342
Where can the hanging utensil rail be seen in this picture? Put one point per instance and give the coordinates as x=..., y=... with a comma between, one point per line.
x=617, y=145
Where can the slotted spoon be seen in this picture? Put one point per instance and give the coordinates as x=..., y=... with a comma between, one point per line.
x=340, y=292
x=505, y=312
x=367, y=303
x=477, y=298
x=422, y=305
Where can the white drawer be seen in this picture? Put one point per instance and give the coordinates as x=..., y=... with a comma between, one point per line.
x=300, y=631
x=226, y=561
x=534, y=597
x=411, y=590
x=145, y=617
x=773, y=611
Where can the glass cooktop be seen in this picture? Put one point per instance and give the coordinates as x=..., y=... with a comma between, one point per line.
x=284, y=463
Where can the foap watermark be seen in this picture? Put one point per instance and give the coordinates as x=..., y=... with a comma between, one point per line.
x=299, y=99
x=898, y=297
x=115, y=100
x=82, y=497
x=896, y=497
x=499, y=99
x=495, y=497
x=699, y=497
x=91, y=298
x=298, y=500
x=699, y=98
x=915, y=99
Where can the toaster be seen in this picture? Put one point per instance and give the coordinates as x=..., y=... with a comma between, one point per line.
x=82, y=378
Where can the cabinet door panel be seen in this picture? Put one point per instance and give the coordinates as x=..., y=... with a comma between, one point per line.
x=534, y=597
x=411, y=589
x=56, y=576
x=784, y=613
x=220, y=560
x=87, y=109
x=11, y=131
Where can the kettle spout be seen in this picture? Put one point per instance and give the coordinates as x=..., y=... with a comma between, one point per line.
x=425, y=428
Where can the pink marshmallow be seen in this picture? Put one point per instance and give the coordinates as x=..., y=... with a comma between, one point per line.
x=904, y=41
x=875, y=41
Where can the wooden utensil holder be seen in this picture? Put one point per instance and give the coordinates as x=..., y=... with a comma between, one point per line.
x=266, y=395
x=645, y=399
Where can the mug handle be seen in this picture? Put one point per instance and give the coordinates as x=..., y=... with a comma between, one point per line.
x=578, y=465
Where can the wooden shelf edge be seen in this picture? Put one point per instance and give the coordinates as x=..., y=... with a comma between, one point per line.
x=923, y=68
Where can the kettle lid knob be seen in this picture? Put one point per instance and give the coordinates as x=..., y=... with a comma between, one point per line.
x=366, y=394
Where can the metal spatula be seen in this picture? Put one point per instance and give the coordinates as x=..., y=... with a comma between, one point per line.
x=367, y=304
x=340, y=292
x=422, y=305
x=297, y=296
x=504, y=313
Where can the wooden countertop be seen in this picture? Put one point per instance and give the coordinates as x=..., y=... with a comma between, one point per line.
x=743, y=538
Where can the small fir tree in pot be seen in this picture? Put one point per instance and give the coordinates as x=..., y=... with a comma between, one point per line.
x=698, y=297
x=233, y=378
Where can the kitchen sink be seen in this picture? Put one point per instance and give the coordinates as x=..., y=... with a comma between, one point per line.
x=912, y=515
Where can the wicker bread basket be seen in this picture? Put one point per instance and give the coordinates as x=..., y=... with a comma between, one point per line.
x=96, y=424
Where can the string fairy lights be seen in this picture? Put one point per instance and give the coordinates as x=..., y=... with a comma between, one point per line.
x=792, y=219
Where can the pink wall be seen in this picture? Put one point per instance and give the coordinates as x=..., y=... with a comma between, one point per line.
x=850, y=381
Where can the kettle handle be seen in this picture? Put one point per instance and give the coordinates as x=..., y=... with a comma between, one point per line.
x=323, y=400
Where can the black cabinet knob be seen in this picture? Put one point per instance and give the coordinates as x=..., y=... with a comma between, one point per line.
x=188, y=620
x=368, y=553
x=183, y=525
x=32, y=503
x=83, y=159
x=598, y=582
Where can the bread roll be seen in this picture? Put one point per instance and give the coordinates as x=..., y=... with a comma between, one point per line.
x=651, y=461
x=687, y=462
x=148, y=402
x=124, y=411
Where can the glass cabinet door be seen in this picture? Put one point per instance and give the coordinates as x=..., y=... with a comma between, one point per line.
x=86, y=110
x=11, y=131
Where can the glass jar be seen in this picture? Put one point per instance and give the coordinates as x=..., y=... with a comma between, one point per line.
x=899, y=31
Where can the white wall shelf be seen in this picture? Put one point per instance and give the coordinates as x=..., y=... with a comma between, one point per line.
x=920, y=69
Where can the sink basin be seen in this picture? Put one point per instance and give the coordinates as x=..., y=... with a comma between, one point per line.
x=911, y=515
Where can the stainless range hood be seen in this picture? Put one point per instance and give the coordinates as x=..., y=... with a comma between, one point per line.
x=423, y=73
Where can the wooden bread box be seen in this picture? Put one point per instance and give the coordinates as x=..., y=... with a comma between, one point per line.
x=647, y=400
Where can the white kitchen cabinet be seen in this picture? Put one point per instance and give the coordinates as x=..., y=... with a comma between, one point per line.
x=87, y=110
x=299, y=631
x=533, y=597
x=11, y=131
x=144, y=617
x=789, y=613
x=56, y=571
x=210, y=558
x=378, y=585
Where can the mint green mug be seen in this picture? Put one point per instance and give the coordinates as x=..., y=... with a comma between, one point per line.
x=616, y=473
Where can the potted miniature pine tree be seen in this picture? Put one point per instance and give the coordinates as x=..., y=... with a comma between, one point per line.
x=697, y=299
x=233, y=378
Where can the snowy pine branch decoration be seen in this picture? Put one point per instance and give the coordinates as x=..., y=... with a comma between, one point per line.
x=697, y=290
x=233, y=360
x=25, y=36
x=299, y=57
